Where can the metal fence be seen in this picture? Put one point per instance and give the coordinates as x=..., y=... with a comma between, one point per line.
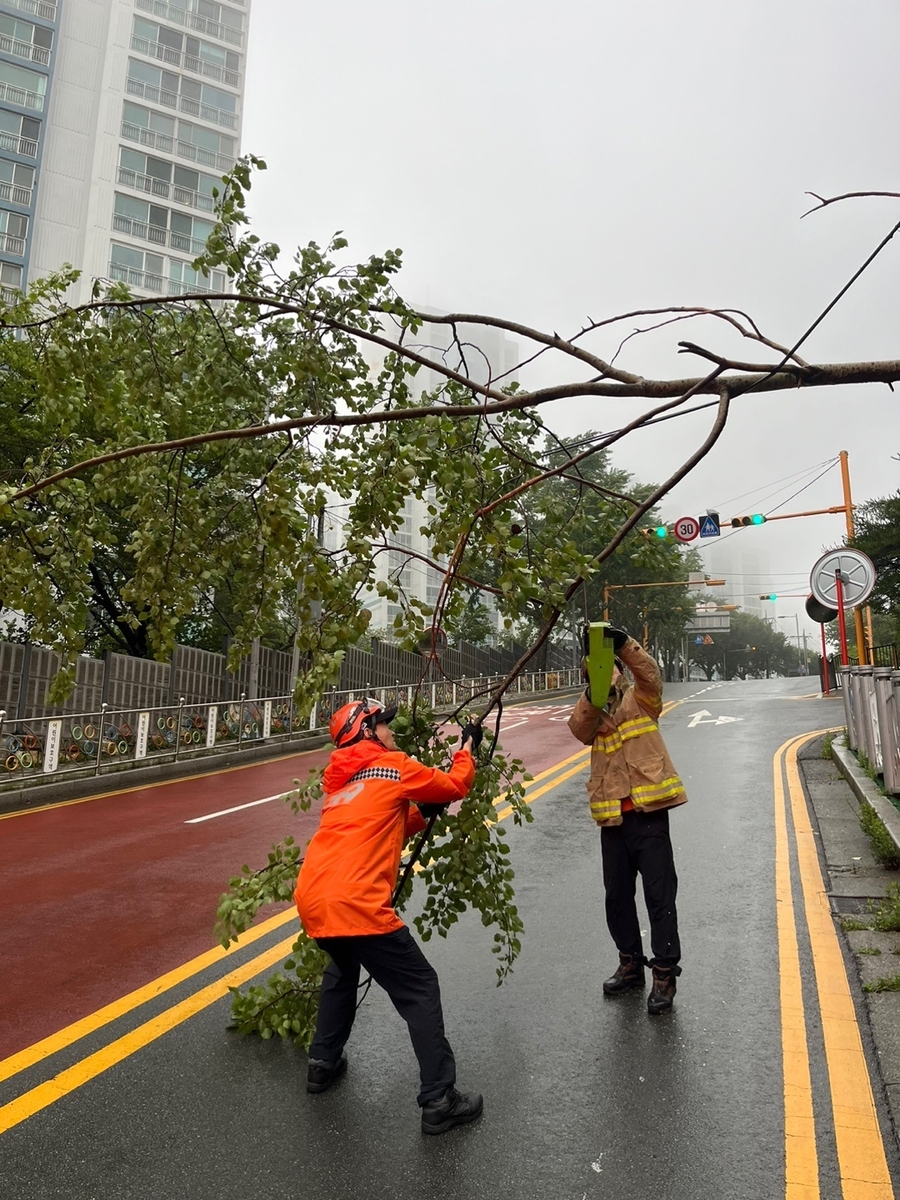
x=872, y=711
x=111, y=737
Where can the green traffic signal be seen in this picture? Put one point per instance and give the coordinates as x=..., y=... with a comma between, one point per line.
x=661, y=531
x=756, y=519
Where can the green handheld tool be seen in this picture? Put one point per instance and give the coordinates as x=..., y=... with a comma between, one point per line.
x=599, y=659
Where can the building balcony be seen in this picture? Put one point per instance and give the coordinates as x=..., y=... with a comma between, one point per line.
x=18, y=195
x=156, y=187
x=206, y=112
x=167, y=145
x=40, y=8
x=12, y=245
x=144, y=280
x=144, y=183
x=188, y=62
x=38, y=54
x=17, y=95
x=159, y=237
x=136, y=87
x=207, y=158
x=18, y=145
x=180, y=16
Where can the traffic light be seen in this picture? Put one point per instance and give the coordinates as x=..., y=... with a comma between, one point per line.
x=768, y=596
x=755, y=519
x=661, y=531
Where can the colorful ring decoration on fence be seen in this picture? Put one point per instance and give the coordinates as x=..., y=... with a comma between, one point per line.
x=159, y=740
x=77, y=733
x=111, y=749
x=125, y=730
x=169, y=735
x=160, y=722
x=170, y=722
x=30, y=741
x=26, y=759
x=73, y=752
x=90, y=732
x=197, y=735
x=186, y=737
x=12, y=763
x=198, y=722
x=13, y=744
x=122, y=746
x=90, y=749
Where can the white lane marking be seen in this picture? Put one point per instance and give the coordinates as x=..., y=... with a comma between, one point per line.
x=504, y=728
x=697, y=719
x=237, y=808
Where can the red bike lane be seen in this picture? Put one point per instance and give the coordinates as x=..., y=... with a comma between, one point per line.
x=105, y=895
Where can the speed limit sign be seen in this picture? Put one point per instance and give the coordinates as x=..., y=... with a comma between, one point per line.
x=687, y=528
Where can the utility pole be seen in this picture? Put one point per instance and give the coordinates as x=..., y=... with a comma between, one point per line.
x=861, y=653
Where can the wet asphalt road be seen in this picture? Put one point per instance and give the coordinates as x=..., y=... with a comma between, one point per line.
x=584, y=1096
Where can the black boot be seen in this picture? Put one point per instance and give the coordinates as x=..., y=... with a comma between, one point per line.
x=453, y=1108
x=629, y=974
x=663, y=991
x=321, y=1074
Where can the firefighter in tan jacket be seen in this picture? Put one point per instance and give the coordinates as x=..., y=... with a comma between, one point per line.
x=632, y=786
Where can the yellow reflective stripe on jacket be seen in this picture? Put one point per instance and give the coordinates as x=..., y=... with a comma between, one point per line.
x=612, y=742
x=602, y=810
x=649, y=793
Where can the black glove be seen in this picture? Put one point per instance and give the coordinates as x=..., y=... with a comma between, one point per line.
x=432, y=810
x=619, y=638
x=474, y=733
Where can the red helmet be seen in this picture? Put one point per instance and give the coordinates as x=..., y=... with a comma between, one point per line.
x=349, y=723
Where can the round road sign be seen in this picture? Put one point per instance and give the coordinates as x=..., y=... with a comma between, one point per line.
x=687, y=528
x=857, y=577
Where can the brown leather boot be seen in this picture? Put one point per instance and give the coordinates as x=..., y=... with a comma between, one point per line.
x=663, y=991
x=629, y=974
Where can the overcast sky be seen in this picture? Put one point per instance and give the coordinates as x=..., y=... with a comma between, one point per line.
x=554, y=162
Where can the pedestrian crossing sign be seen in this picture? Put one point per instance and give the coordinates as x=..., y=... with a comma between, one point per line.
x=709, y=526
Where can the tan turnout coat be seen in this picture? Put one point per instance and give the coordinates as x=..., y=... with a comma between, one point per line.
x=629, y=757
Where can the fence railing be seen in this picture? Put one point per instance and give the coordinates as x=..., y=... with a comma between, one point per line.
x=111, y=739
x=872, y=711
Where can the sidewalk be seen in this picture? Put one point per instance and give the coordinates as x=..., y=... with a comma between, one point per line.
x=854, y=881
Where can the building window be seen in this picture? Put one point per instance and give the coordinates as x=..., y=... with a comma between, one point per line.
x=195, y=189
x=206, y=146
x=13, y=232
x=18, y=85
x=153, y=223
x=181, y=50
x=18, y=134
x=25, y=40
x=183, y=278
x=150, y=128
x=16, y=182
x=144, y=172
x=190, y=95
x=189, y=233
x=138, y=268
x=10, y=276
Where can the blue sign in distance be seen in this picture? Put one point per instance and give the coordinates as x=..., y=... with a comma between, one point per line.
x=708, y=527
x=698, y=641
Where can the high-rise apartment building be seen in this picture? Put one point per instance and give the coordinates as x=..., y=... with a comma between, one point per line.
x=117, y=120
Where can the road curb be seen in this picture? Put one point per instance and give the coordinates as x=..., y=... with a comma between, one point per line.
x=867, y=792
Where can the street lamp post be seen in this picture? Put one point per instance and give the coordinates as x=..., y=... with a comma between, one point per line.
x=799, y=657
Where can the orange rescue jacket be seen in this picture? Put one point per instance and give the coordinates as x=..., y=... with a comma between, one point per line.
x=350, y=869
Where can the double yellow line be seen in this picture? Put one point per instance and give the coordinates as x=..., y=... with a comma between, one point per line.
x=68, y=1080
x=860, y=1150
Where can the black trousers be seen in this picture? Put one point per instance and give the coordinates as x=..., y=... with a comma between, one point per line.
x=641, y=846
x=397, y=964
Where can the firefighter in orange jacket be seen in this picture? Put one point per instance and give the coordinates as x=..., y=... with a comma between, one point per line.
x=344, y=896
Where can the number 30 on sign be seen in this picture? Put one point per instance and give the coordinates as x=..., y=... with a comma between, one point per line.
x=687, y=528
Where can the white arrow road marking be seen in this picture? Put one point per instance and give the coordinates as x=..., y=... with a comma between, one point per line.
x=697, y=719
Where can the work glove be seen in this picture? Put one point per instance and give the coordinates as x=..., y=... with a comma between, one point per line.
x=619, y=638
x=433, y=810
x=473, y=732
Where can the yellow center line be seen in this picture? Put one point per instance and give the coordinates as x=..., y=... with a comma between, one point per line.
x=67, y=1081
x=111, y=1012
x=860, y=1150
x=801, y=1164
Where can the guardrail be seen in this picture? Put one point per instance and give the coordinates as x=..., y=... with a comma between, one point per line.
x=85, y=744
x=872, y=711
